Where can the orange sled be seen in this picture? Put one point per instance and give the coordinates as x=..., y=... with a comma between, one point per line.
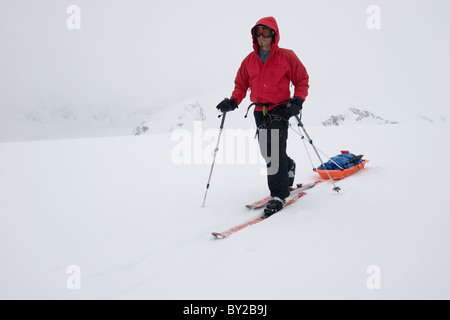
x=340, y=174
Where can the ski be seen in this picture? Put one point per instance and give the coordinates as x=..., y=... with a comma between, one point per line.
x=225, y=234
x=300, y=187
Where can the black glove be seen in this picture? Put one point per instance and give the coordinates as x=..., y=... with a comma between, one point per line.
x=227, y=105
x=295, y=106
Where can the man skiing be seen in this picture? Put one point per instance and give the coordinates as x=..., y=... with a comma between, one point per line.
x=268, y=72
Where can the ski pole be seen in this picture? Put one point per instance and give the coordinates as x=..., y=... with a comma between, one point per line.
x=300, y=124
x=214, y=157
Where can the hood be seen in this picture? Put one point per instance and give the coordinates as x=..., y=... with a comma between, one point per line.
x=271, y=23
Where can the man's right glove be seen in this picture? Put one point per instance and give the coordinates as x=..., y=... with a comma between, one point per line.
x=294, y=106
x=227, y=105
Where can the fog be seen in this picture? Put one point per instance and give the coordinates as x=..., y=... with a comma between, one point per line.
x=149, y=54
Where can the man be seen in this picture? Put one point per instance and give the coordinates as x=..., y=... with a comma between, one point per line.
x=268, y=71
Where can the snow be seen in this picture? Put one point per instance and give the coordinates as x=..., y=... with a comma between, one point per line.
x=107, y=134
x=126, y=212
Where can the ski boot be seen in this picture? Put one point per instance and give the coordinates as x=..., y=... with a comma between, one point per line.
x=274, y=205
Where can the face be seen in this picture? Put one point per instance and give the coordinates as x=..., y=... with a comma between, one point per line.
x=264, y=36
x=264, y=43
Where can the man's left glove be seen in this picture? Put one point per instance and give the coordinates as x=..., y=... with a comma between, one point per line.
x=294, y=106
x=227, y=105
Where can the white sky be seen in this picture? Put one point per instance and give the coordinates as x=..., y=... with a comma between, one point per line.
x=149, y=54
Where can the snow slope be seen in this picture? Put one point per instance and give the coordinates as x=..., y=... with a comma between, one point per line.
x=67, y=122
x=126, y=211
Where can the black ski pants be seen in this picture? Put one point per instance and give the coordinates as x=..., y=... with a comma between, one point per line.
x=271, y=142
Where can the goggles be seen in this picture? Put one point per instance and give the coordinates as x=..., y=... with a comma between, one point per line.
x=266, y=32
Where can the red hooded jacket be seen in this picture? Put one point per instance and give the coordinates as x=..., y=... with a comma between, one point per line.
x=269, y=82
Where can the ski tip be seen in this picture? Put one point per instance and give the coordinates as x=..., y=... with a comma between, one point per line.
x=218, y=235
